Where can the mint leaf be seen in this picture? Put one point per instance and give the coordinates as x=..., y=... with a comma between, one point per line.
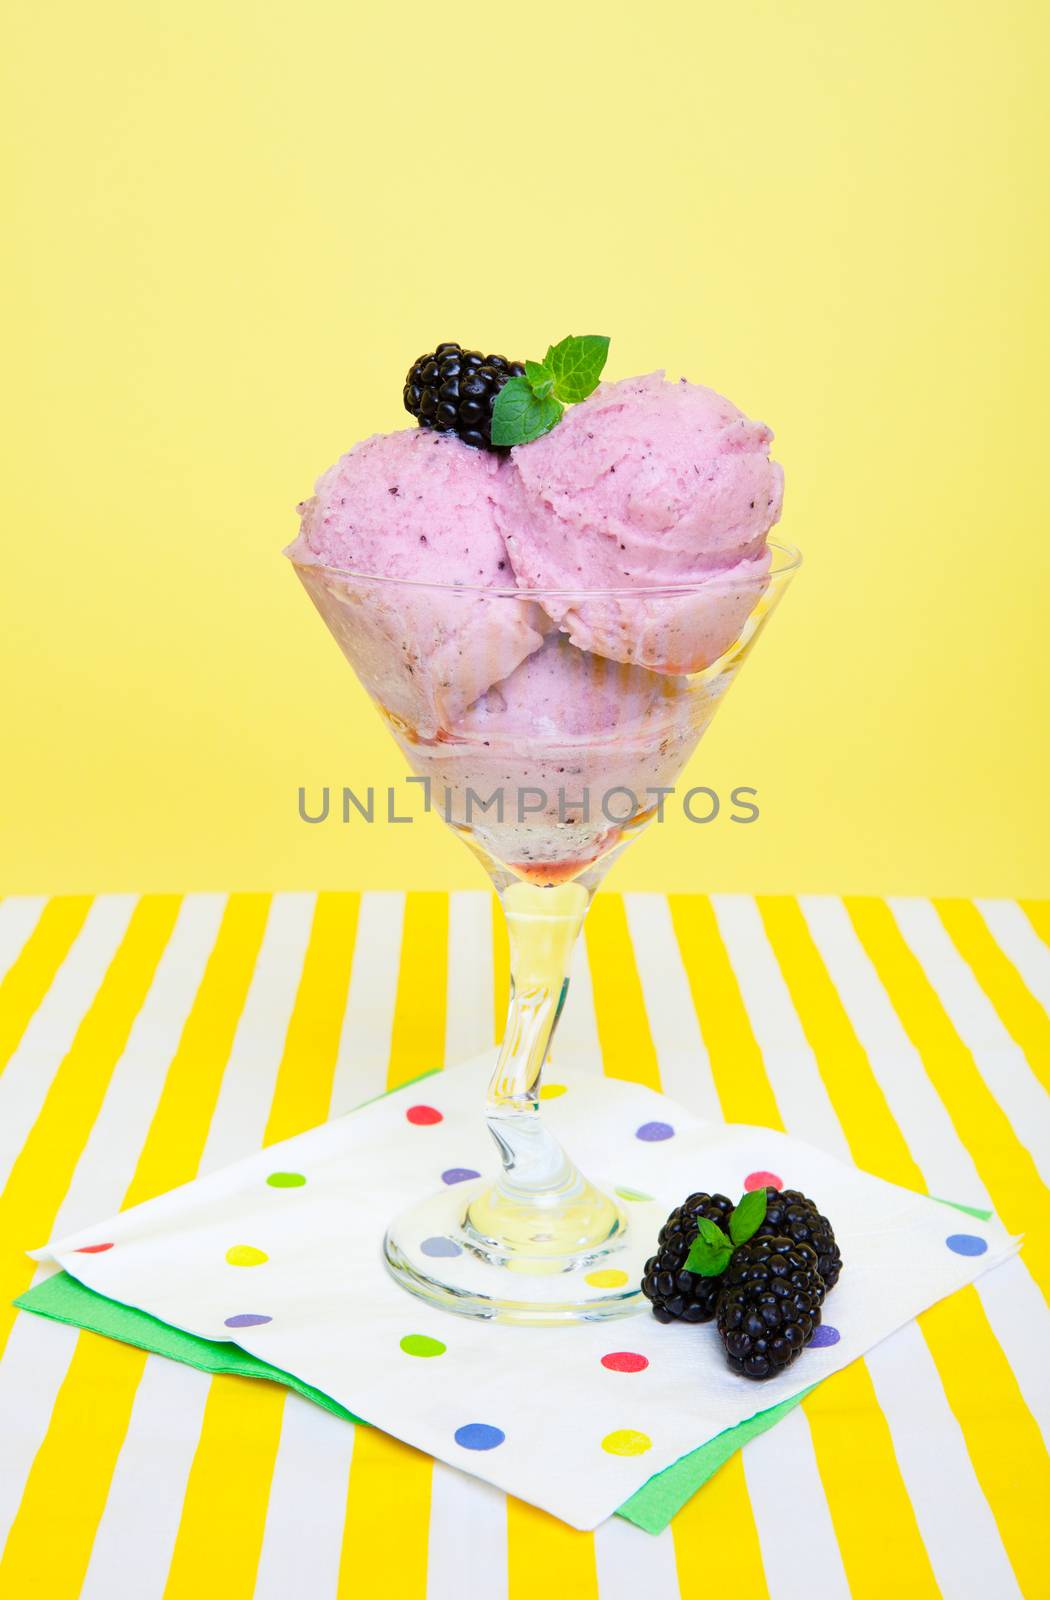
x=540, y=379
x=520, y=416
x=576, y=365
x=710, y=1251
x=748, y=1216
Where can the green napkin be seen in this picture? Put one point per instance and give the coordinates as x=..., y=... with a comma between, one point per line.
x=65, y=1299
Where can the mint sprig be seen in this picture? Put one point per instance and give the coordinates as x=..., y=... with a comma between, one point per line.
x=576, y=365
x=748, y=1216
x=530, y=406
x=711, y=1250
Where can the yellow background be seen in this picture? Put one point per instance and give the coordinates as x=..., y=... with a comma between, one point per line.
x=234, y=225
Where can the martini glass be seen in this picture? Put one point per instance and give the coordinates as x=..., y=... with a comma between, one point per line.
x=545, y=739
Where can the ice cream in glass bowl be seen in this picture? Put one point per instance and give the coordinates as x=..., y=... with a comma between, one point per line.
x=546, y=604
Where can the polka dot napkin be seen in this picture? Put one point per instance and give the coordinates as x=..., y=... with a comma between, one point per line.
x=280, y=1253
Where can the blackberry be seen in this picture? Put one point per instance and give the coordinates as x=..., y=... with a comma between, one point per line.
x=454, y=390
x=677, y=1295
x=768, y=1305
x=792, y=1215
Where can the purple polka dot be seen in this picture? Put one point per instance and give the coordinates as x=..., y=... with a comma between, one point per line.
x=966, y=1244
x=479, y=1436
x=459, y=1174
x=246, y=1319
x=653, y=1132
x=437, y=1246
x=824, y=1336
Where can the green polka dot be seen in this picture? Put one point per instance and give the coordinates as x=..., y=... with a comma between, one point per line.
x=632, y=1194
x=286, y=1180
x=420, y=1344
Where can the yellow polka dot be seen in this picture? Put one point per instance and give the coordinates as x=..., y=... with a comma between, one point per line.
x=553, y=1091
x=627, y=1442
x=246, y=1255
x=608, y=1278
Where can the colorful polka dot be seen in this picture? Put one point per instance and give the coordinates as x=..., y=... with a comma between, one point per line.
x=824, y=1336
x=626, y=1442
x=762, y=1180
x=437, y=1246
x=966, y=1244
x=479, y=1436
x=632, y=1194
x=625, y=1361
x=423, y=1116
x=420, y=1344
x=93, y=1249
x=246, y=1255
x=553, y=1091
x=653, y=1132
x=458, y=1174
x=246, y=1319
x=286, y=1180
x=606, y=1278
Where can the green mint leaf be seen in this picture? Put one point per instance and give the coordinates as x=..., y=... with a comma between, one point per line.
x=576, y=365
x=519, y=416
x=710, y=1251
x=540, y=379
x=748, y=1216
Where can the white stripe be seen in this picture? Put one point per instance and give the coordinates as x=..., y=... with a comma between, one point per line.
x=53, y=1026
x=576, y=1048
x=107, y=1162
x=1000, y=1061
x=630, y=1563
x=19, y=915
x=36, y=1361
x=1020, y=943
x=239, y=1120
x=136, y=1534
x=914, y=1103
x=364, y=1046
x=467, y=1544
x=1013, y=1302
x=958, y=1529
x=778, y=1030
x=303, y=1539
x=468, y=1013
x=800, y=1551
x=1020, y=1320
x=685, y=1067
x=789, y=1060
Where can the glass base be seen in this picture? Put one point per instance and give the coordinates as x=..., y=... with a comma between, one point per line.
x=579, y=1262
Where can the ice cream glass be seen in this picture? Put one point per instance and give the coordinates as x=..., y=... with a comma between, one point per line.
x=547, y=758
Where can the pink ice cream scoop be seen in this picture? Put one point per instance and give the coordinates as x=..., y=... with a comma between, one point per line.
x=548, y=766
x=646, y=483
x=417, y=506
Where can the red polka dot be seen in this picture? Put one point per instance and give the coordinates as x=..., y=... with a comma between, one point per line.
x=424, y=1116
x=93, y=1249
x=625, y=1361
x=762, y=1180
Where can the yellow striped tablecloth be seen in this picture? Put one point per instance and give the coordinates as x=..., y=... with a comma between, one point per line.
x=144, y=1040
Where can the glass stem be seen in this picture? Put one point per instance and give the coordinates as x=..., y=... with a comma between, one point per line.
x=542, y=925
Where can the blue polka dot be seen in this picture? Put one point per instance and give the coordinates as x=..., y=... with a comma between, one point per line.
x=246, y=1319
x=824, y=1336
x=966, y=1244
x=437, y=1246
x=459, y=1174
x=479, y=1436
x=653, y=1132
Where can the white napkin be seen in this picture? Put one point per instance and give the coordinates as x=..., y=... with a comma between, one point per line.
x=533, y=1410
